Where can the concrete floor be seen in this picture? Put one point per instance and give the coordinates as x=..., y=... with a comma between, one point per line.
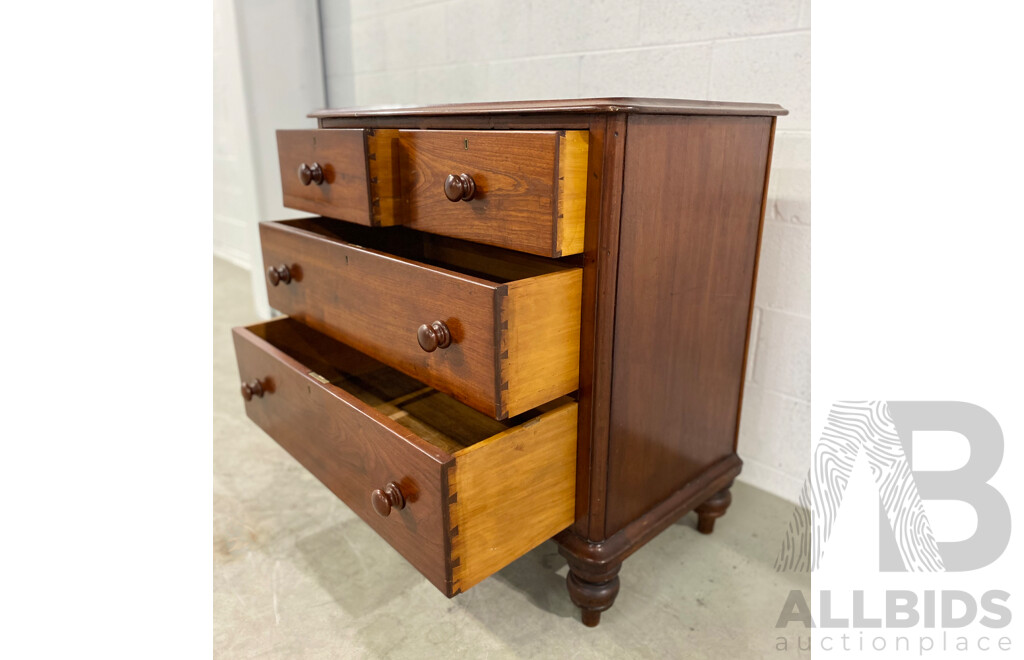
x=296, y=574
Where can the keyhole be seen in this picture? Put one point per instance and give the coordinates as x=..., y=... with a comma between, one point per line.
x=466, y=142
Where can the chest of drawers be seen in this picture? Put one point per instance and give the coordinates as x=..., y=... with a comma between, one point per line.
x=513, y=322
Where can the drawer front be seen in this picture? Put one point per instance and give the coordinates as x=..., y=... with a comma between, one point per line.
x=475, y=494
x=527, y=190
x=512, y=345
x=349, y=174
x=353, y=451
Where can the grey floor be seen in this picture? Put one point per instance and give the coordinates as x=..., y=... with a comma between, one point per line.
x=296, y=574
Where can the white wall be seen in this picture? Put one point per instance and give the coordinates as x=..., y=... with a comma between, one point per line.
x=435, y=51
x=268, y=73
x=234, y=180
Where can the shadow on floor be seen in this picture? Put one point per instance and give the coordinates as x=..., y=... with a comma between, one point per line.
x=540, y=576
x=359, y=572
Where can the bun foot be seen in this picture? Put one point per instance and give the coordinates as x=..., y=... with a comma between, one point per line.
x=705, y=524
x=593, y=593
x=592, y=586
x=713, y=509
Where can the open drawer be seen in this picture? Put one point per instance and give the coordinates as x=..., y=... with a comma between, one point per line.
x=458, y=494
x=496, y=329
x=522, y=190
x=350, y=174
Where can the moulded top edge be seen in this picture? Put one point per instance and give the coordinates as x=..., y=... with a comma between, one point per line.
x=597, y=105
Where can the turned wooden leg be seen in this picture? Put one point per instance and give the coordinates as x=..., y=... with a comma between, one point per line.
x=713, y=509
x=593, y=592
x=593, y=579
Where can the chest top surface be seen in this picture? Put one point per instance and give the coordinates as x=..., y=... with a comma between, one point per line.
x=609, y=105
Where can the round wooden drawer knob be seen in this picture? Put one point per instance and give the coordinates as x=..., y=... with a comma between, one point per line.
x=434, y=336
x=460, y=188
x=277, y=274
x=253, y=388
x=390, y=497
x=311, y=174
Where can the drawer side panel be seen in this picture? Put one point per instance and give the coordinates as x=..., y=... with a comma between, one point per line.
x=511, y=493
x=573, y=151
x=540, y=341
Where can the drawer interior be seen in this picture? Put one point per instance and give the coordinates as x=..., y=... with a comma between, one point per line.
x=494, y=265
x=434, y=416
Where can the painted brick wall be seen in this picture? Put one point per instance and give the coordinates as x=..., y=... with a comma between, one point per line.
x=437, y=51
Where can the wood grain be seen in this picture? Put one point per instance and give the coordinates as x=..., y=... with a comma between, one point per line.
x=500, y=265
x=374, y=302
x=572, y=192
x=600, y=556
x=386, y=207
x=753, y=281
x=673, y=196
x=539, y=350
x=344, y=193
x=691, y=210
x=372, y=289
x=361, y=175
x=510, y=493
x=507, y=122
x=346, y=444
x=517, y=178
x=608, y=135
x=479, y=493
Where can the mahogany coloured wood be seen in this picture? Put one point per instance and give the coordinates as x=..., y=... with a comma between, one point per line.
x=595, y=555
x=604, y=205
x=278, y=274
x=254, y=388
x=594, y=565
x=688, y=242
x=434, y=336
x=506, y=122
x=614, y=105
x=512, y=341
x=346, y=444
x=387, y=499
x=458, y=507
x=347, y=174
x=712, y=509
x=459, y=188
x=672, y=209
x=521, y=190
x=311, y=174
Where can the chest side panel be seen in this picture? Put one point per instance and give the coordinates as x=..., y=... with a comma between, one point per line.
x=691, y=210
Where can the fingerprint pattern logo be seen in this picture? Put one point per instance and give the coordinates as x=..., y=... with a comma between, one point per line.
x=852, y=427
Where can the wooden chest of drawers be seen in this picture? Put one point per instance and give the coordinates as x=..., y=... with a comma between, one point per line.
x=515, y=321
